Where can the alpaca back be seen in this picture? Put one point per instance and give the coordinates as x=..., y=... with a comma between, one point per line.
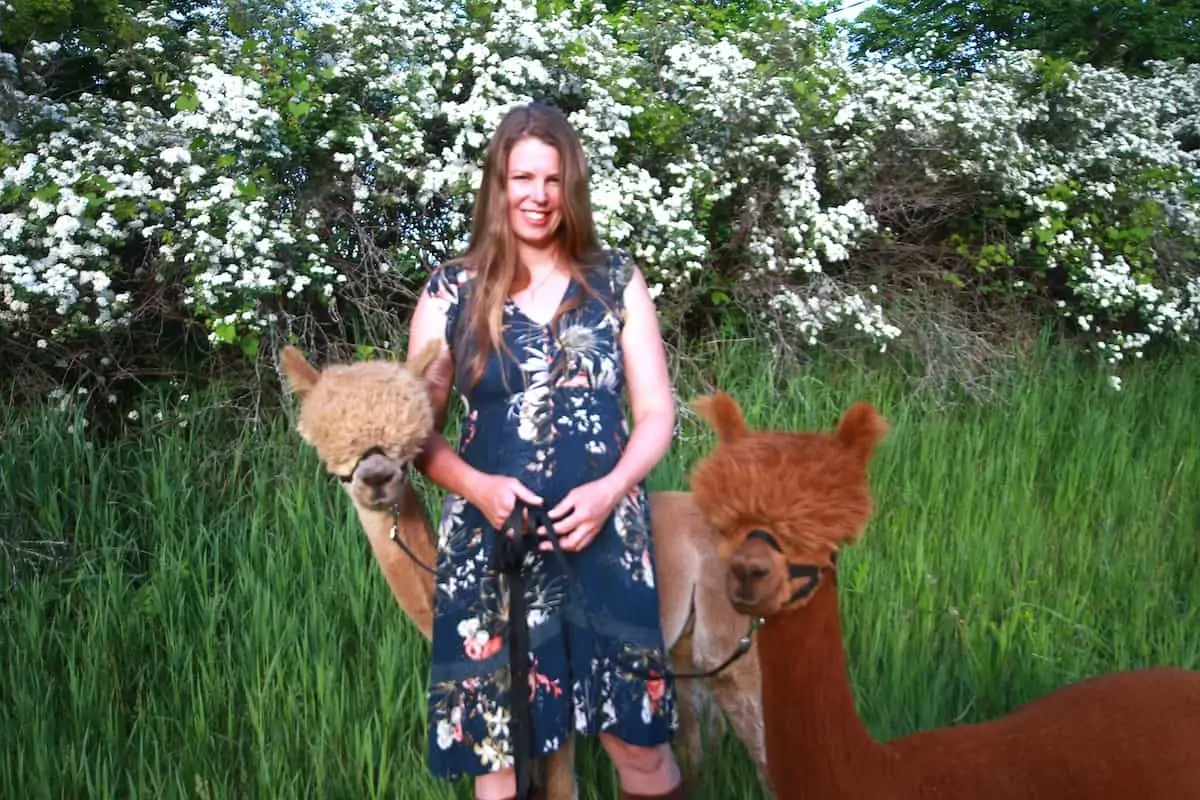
x=1122, y=735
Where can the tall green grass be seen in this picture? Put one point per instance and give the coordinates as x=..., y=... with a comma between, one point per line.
x=216, y=627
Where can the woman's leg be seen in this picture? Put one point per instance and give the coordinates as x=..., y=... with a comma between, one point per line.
x=496, y=785
x=644, y=771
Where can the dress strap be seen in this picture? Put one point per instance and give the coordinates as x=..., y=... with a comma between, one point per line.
x=620, y=272
x=449, y=284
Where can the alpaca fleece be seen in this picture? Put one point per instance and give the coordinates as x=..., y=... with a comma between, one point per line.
x=784, y=502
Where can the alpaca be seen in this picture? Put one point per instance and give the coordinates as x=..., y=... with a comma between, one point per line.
x=367, y=422
x=783, y=503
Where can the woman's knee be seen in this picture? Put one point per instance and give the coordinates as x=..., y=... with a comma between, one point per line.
x=496, y=785
x=645, y=760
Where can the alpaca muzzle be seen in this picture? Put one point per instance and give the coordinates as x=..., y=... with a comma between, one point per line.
x=366, y=456
x=376, y=473
x=808, y=574
x=751, y=579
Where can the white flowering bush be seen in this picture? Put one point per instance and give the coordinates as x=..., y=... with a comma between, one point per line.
x=290, y=178
x=1067, y=187
x=1098, y=184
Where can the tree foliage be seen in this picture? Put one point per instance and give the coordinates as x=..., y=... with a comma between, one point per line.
x=961, y=37
x=252, y=174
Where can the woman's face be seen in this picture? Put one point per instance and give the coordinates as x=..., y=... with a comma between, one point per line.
x=533, y=190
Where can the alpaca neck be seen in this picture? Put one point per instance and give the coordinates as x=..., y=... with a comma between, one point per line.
x=817, y=746
x=411, y=585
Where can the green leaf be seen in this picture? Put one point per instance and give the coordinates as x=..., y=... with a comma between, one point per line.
x=187, y=102
x=225, y=332
x=249, y=345
x=125, y=209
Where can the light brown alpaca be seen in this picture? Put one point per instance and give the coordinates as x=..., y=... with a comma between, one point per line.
x=784, y=502
x=368, y=420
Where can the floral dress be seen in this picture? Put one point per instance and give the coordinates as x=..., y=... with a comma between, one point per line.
x=595, y=639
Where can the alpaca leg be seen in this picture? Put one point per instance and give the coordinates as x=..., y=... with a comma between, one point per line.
x=560, y=772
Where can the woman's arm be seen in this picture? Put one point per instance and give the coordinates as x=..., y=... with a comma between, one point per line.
x=494, y=495
x=649, y=384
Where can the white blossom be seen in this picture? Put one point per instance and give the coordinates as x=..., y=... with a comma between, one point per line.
x=775, y=123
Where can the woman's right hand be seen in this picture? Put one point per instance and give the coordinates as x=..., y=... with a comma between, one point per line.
x=496, y=495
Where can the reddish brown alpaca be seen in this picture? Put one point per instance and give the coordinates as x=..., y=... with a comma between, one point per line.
x=784, y=502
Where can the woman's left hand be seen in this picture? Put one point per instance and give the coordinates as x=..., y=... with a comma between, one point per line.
x=581, y=515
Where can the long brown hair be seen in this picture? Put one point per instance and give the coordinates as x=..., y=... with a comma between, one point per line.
x=493, y=255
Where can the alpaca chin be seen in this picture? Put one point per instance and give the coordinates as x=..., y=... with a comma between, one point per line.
x=755, y=604
x=378, y=498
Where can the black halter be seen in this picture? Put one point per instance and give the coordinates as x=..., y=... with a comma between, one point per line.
x=809, y=573
x=394, y=535
x=374, y=451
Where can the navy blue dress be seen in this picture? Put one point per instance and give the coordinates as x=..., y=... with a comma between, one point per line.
x=596, y=646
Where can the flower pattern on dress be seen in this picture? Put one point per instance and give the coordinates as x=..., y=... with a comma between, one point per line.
x=548, y=410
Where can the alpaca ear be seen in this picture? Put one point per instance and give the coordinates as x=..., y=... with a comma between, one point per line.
x=723, y=413
x=860, y=429
x=423, y=360
x=301, y=375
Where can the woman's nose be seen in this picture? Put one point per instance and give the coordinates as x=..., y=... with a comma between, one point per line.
x=537, y=192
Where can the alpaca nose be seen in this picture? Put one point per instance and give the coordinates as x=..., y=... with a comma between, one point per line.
x=748, y=572
x=374, y=478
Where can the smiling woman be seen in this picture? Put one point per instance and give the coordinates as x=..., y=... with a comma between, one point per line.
x=534, y=192
x=542, y=331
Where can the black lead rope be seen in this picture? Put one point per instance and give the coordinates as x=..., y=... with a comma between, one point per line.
x=395, y=537
x=528, y=526
x=744, y=644
x=509, y=560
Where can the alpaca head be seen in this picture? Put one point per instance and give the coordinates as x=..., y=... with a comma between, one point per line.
x=367, y=420
x=782, y=501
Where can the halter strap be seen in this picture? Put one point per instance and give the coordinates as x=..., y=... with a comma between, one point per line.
x=810, y=573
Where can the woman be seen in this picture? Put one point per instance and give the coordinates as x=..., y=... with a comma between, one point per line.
x=544, y=332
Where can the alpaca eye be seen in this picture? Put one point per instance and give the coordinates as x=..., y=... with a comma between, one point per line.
x=343, y=475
